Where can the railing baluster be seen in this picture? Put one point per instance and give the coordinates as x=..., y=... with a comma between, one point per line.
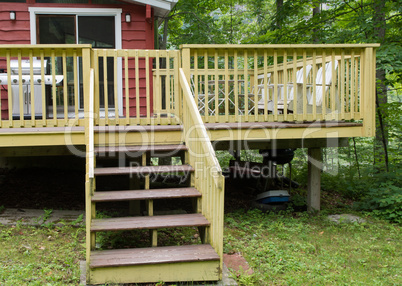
x=295, y=86
x=216, y=87
x=342, y=83
x=178, y=105
x=116, y=97
x=206, y=90
x=169, y=101
x=304, y=86
x=347, y=88
x=137, y=87
x=285, y=85
x=226, y=78
x=148, y=93
x=54, y=94
x=32, y=95
x=9, y=92
x=245, y=72
x=42, y=72
x=314, y=90
x=265, y=93
x=236, y=85
x=126, y=88
x=75, y=80
x=65, y=92
x=195, y=79
x=324, y=102
x=105, y=87
x=275, y=99
x=255, y=86
x=157, y=89
x=358, y=78
x=95, y=61
x=21, y=91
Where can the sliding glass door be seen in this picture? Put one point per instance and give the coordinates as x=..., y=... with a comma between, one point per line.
x=99, y=31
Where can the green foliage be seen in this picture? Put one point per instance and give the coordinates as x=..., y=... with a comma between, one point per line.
x=384, y=197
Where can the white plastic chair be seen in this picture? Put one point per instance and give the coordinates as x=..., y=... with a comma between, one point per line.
x=281, y=90
x=320, y=91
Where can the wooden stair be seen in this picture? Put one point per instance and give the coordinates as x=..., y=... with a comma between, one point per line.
x=197, y=262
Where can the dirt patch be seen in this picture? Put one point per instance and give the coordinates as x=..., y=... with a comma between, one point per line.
x=237, y=263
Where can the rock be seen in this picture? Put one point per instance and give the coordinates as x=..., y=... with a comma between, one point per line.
x=346, y=218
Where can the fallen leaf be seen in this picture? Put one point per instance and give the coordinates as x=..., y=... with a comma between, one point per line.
x=321, y=233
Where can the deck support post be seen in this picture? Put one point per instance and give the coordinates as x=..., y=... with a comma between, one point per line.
x=314, y=179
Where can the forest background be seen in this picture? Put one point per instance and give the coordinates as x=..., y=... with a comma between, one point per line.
x=368, y=170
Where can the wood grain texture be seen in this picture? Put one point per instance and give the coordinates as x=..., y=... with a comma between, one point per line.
x=154, y=255
x=142, y=170
x=140, y=148
x=145, y=194
x=148, y=222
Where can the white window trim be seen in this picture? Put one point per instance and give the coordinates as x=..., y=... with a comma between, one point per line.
x=116, y=13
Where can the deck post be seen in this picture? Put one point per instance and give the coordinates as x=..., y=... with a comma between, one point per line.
x=314, y=179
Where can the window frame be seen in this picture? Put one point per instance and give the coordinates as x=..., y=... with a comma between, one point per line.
x=113, y=12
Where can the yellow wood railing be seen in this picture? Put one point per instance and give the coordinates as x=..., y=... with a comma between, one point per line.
x=208, y=178
x=260, y=83
x=136, y=87
x=45, y=95
x=90, y=166
x=230, y=83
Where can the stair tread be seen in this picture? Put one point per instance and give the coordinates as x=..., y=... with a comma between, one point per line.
x=152, y=255
x=143, y=170
x=145, y=194
x=137, y=128
x=140, y=148
x=148, y=222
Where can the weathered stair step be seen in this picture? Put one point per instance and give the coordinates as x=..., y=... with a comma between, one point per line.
x=142, y=170
x=148, y=222
x=137, y=128
x=140, y=148
x=152, y=255
x=145, y=194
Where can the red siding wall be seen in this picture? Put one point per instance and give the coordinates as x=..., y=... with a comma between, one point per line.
x=139, y=34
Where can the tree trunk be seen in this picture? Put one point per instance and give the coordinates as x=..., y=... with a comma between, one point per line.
x=381, y=139
x=316, y=14
x=279, y=7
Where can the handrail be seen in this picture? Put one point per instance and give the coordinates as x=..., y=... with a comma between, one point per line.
x=197, y=122
x=91, y=146
x=277, y=46
x=208, y=178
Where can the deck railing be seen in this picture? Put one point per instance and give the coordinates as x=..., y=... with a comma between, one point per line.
x=208, y=178
x=46, y=87
x=136, y=87
x=266, y=83
x=230, y=83
x=45, y=95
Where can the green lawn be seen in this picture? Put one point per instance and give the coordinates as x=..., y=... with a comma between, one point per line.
x=282, y=249
x=298, y=249
x=41, y=256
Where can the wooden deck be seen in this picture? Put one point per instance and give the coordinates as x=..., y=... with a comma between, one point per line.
x=142, y=138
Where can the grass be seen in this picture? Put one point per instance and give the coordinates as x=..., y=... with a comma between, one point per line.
x=41, y=255
x=298, y=249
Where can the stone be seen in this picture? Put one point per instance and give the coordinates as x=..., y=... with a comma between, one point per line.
x=346, y=218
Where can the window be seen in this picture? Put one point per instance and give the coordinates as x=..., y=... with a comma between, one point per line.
x=99, y=27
